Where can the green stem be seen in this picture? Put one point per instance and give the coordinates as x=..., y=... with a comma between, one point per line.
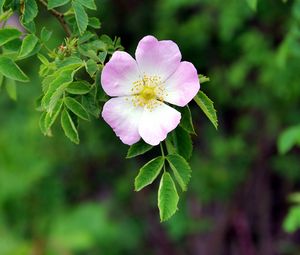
x=60, y=18
x=163, y=154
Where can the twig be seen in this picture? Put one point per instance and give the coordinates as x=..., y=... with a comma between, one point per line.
x=60, y=17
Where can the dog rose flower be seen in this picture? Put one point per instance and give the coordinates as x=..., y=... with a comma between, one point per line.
x=142, y=90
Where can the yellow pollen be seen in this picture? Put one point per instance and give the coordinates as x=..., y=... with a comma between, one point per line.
x=148, y=92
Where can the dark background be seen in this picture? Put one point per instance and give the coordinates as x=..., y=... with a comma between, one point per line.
x=59, y=198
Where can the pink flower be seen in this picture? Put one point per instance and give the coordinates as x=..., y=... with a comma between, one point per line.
x=141, y=87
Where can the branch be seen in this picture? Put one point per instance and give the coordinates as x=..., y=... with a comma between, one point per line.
x=60, y=18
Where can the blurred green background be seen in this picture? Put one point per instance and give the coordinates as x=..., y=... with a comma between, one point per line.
x=57, y=198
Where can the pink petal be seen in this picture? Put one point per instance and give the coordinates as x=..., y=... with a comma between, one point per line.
x=183, y=85
x=155, y=124
x=124, y=118
x=119, y=74
x=155, y=57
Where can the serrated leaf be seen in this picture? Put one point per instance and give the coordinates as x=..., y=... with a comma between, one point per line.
x=252, y=4
x=167, y=197
x=76, y=108
x=56, y=3
x=8, y=34
x=11, y=89
x=203, y=78
x=62, y=79
x=148, y=173
x=45, y=34
x=81, y=17
x=51, y=117
x=182, y=142
x=91, y=67
x=78, y=88
x=181, y=170
x=207, y=107
x=138, y=148
x=28, y=45
x=289, y=138
x=30, y=11
x=42, y=125
x=94, y=22
x=186, y=120
x=69, y=127
x=11, y=70
x=90, y=4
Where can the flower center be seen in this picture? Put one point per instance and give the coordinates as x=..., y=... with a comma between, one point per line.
x=148, y=92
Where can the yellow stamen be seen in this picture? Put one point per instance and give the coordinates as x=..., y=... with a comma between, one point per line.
x=148, y=92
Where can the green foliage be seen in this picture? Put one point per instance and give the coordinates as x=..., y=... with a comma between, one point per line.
x=167, y=197
x=207, y=107
x=81, y=16
x=186, y=121
x=69, y=127
x=137, y=149
x=8, y=34
x=252, y=4
x=289, y=138
x=74, y=106
x=148, y=173
x=11, y=70
x=28, y=45
x=292, y=220
x=181, y=170
x=56, y=3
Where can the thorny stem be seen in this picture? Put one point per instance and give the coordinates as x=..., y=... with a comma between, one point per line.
x=60, y=18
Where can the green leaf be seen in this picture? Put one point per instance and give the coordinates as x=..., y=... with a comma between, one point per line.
x=252, y=4
x=292, y=221
x=56, y=86
x=51, y=117
x=10, y=70
x=148, y=173
x=167, y=197
x=186, y=120
x=90, y=4
x=76, y=108
x=91, y=67
x=30, y=11
x=182, y=142
x=8, y=34
x=94, y=22
x=42, y=125
x=56, y=3
x=69, y=127
x=45, y=34
x=207, y=107
x=11, y=89
x=181, y=170
x=78, y=88
x=203, y=78
x=28, y=44
x=138, y=149
x=4, y=16
x=289, y=138
x=80, y=16
x=2, y=2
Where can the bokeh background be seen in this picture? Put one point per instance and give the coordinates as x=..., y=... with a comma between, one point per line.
x=57, y=198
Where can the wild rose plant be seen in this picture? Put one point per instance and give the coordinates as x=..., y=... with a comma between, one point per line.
x=149, y=94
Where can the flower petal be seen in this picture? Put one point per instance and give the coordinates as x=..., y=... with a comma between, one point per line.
x=183, y=85
x=156, y=123
x=124, y=118
x=155, y=57
x=119, y=74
